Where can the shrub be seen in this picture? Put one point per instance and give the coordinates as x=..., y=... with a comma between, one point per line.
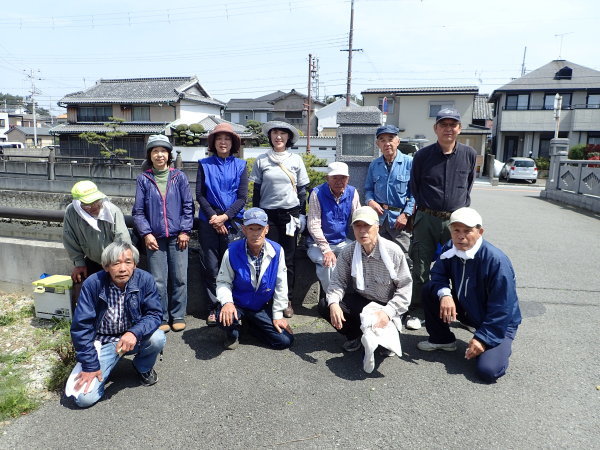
x=542, y=163
x=577, y=151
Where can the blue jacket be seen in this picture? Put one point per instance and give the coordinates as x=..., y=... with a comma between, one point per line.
x=163, y=217
x=486, y=289
x=142, y=305
x=390, y=188
x=335, y=217
x=243, y=292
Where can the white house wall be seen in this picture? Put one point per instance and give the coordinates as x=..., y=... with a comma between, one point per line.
x=192, y=112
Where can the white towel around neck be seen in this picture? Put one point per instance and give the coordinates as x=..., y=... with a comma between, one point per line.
x=104, y=214
x=462, y=254
x=357, y=265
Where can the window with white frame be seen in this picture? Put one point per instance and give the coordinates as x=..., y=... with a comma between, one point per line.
x=436, y=106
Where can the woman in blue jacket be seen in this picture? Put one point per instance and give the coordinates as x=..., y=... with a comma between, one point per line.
x=221, y=191
x=163, y=215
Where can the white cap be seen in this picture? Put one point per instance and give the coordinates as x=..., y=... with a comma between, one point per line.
x=365, y=214
x=338, y=168
x=468, y=216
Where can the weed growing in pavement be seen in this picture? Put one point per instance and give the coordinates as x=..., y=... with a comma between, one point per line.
x=66, y=356
x=12, y=316
x=14, y=398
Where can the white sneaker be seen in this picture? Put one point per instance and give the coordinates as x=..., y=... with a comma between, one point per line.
x=412, y=323
x=427, y=346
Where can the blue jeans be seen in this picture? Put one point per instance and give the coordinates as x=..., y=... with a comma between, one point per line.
x=492, y=363
x=145, y=353
x=316, y=255
x=261, y=326
x=169, y=263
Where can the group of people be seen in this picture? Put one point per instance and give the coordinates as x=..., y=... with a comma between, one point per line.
x=371, y=286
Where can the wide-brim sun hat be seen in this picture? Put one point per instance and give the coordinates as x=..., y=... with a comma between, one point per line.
x=86, y=192
x=276, y=124
x=226, y=128
x=158, y=140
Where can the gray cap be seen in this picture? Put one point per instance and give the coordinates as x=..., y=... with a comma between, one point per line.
x=255, y=216
x=447, y=113
x=158, y=140
x=276, y=124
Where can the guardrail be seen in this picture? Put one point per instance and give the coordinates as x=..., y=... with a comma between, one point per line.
x=53, y=167
x=579, y=177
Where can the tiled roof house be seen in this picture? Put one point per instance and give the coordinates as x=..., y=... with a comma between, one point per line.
x=146, y=105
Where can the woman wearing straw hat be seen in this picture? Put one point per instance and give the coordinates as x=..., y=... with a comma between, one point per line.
x=163, y=214
x=280, y=182
x=221, y=191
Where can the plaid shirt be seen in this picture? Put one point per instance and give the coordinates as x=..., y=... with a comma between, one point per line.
x=256, y=260
x=379, y=285
x=115, y=321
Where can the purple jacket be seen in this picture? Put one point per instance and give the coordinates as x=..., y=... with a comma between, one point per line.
x=163, y=217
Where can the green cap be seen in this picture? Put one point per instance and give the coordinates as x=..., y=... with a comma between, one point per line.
x=86, y=192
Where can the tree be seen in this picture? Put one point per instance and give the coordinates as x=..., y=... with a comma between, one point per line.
x=106, y=141
x=188, y=135
x=15, y=101
x=255, y=127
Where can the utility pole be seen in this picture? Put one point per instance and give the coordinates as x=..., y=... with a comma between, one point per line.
x=523, y=64
x=350, y=50
x=308, y=105
x=31, y=76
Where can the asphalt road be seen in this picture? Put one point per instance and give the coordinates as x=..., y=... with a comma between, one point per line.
x=315, y=396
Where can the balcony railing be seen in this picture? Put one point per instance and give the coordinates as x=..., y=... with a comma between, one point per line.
x=544, y=108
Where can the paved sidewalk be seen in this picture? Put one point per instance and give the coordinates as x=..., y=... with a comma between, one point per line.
x=315, y=396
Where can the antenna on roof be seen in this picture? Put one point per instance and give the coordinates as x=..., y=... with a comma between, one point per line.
x=562, y=35
x=523, y=63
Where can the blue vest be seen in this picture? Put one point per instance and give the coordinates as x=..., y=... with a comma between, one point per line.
x=222, y=180
x=243, y=292
x=335, y=217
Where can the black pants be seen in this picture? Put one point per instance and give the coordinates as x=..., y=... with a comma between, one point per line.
x=213, y=246
x=278, y=220
x=352, y=305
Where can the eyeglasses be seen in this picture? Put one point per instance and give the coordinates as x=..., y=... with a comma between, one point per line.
x=88, y=206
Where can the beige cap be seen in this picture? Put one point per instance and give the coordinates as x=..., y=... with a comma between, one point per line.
x=365, y=214
x=338, y=168
x=468, y=216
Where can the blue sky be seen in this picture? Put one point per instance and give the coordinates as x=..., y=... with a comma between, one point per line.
x=248, y=48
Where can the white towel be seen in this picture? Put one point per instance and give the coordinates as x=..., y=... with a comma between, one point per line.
x=70, y=386
x=462, y=254
x=104, y=214
x=357, y=265
x=373, y=337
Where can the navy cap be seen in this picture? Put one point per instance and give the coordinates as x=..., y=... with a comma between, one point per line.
x=389, y=129
x=255, y=216
x=447, y=113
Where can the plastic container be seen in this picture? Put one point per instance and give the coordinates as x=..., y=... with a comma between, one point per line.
x=52, y=297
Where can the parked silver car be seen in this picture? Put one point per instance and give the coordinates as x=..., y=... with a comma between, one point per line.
x=519, y=169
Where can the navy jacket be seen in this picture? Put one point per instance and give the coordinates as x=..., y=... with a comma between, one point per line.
x=142, y=305
x=163, y=217
x=486, y=289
